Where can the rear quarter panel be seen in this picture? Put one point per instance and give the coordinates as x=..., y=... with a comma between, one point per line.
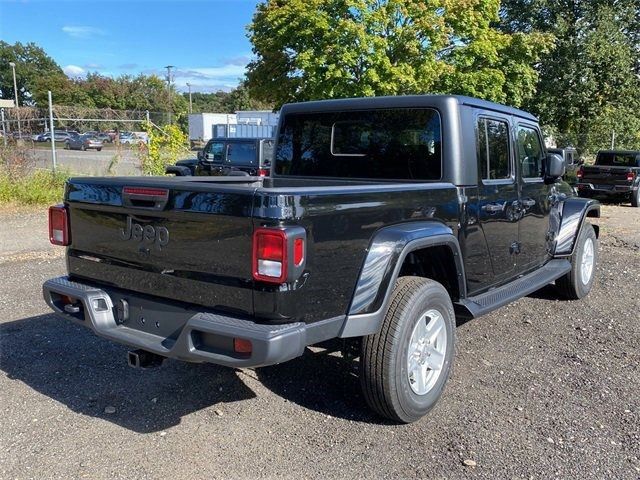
x=340, y=223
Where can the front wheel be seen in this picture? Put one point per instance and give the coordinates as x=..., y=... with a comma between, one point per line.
x=405, y=366
x=578, y=281
x=99, y=149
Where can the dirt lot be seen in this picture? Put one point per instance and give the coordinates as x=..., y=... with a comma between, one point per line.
x=541, y=388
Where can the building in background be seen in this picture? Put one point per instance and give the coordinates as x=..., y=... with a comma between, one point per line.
x=242, y=124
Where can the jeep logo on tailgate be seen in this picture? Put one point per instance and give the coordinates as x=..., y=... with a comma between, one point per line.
x=148, y=234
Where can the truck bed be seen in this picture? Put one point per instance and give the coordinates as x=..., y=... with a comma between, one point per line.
x=209, y=221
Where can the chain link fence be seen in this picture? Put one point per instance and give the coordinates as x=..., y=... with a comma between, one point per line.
x=26, y=131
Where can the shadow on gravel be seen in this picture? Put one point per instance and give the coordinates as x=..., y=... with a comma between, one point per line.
x=323, y=382
x=548, y=292
x=86, y=373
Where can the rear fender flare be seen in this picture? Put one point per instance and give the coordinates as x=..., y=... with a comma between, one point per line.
x=381, y=267
x=573, y=212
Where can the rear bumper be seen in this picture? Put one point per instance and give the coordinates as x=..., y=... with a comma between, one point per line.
x=605, y=189
x=195, y=336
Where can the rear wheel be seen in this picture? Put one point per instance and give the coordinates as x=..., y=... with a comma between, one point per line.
x=99, y=148
x=578, y=282
x=405, y=366
x=635, y=198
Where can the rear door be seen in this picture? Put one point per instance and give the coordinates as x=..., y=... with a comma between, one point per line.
x=535, y=204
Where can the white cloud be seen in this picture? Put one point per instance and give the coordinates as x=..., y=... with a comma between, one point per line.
x=224, y=77
x=79, y=31
x=74, y=71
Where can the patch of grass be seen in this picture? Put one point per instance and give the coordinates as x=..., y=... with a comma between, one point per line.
x=41, y=187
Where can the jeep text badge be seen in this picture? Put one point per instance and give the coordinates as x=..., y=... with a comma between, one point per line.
x=148, y=234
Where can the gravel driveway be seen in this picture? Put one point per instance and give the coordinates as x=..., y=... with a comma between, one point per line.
x=541, y=388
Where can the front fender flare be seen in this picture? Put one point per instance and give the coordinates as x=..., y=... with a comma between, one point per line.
x=386, y=253
x=572, y=214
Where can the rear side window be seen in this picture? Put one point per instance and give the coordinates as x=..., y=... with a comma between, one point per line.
x=618, y=159
x=530, y=152
x=400, y=144
x=243, y=153
x=492, y=142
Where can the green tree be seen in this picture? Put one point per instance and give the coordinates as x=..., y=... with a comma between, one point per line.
x=589, y=84
x=36, y=73
x=239, y=98
x=315, y=49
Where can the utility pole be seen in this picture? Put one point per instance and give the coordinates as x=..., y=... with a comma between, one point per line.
x=190, y=103
x=15, y=90
x=169, y=67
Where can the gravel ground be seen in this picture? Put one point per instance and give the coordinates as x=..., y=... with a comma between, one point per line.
x=541, y=388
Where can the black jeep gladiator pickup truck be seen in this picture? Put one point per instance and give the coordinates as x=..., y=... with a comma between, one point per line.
x=616, y=173
x=384, y=221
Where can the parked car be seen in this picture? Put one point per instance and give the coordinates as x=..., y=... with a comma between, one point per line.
x=129, y=138
x=616, y=173
x=60, y=136
x=83, y=142
x=102, y=136
x=433, y=209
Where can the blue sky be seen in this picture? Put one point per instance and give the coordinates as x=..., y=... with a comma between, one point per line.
x=205, y=40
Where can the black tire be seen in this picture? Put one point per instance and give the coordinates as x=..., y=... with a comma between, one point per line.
x=66, y=145
x=99, y=149
x=635, y=198
x=384, y=373
x=83, y=148
x=572, y=285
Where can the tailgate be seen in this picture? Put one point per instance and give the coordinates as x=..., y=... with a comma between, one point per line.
x=195, y=247
x=605, y=175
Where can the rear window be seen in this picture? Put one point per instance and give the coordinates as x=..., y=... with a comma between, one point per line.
x=401, y=144
x=615, y=159
x=241, y=153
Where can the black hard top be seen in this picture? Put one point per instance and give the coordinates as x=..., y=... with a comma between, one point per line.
x=402, y=101
x=624, y=152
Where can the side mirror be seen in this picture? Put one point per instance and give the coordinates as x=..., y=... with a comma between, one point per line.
x=554, y=168
x=208, y=156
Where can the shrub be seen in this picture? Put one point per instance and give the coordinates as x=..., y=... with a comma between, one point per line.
x=40, y=187
x=164, y=147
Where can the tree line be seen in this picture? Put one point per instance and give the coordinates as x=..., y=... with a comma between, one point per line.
x=37, y=73
x=575, y=63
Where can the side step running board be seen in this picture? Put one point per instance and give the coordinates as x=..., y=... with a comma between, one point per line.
x=472, y=307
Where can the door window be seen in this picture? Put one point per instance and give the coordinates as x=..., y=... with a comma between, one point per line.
x=216, y=149
x=530, y=152
x=492, y=143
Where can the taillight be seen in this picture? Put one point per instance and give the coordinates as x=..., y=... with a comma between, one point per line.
x=279, y=254
x=631, y=176
x=270, y=255
x=298, y=251
x=580, y=173
x=59, y=225
x=263, y=172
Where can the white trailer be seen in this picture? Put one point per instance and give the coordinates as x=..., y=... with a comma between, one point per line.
x=201, y=125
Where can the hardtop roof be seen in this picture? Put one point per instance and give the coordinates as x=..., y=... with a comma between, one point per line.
x=401, y=101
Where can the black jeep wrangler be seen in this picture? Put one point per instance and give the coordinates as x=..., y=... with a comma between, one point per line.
x=384, y=221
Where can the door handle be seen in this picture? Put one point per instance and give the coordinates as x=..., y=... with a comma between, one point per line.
x=528, y=202
x=493, y=207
